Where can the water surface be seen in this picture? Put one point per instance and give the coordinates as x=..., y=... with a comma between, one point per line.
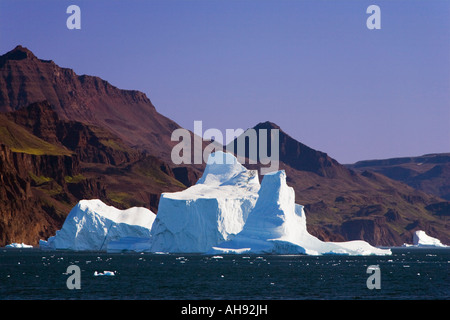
x=407, y=274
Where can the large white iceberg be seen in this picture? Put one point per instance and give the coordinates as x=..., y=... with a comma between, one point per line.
x=421, y=239
x=92, y=225
x=278, y=225
x=226, y=211
x=209, y=212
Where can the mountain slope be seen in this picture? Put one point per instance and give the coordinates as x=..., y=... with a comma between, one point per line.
x=343, y=204
x=129, y=114
x=429, y=173
x=18, y=139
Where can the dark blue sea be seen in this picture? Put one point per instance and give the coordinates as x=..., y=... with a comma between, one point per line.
x=408, y=274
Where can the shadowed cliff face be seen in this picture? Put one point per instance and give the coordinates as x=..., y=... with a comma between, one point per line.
x=39, y=181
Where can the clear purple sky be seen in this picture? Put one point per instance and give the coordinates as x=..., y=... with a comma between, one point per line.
x=312, y=67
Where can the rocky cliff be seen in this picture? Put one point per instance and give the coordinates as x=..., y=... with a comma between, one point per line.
x=36, y=192
x=48, y=164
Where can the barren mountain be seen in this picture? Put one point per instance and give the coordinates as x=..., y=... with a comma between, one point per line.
x=429, y=173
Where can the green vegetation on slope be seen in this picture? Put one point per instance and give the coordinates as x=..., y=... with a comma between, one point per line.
x=20, y=140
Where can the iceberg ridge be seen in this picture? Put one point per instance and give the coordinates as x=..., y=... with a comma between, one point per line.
x=92, y=224
x=278, y=225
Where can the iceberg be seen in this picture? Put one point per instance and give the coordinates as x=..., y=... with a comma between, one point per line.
x=421, y=239
x=19, y=246
x=226, y=211
x=104, y=273
x=92, y=225
x=209, y=212
x=277, y=225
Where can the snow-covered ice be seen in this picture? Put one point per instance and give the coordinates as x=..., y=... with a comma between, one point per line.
x=92, y=224
x=209, y=212
x=421, y=239
x=104, y=273
x=18, y=245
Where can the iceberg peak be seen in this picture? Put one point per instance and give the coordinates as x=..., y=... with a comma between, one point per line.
x=209, y=212
x=220, y=168
x=272, y=184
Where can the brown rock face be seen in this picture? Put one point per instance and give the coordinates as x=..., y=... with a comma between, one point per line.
x=35, y=196
x=429, y=173
x=89, y=142
x=128, y=114
x=372, y=230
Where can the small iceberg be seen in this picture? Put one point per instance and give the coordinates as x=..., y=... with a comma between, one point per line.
x=104, y=273
x=19, y=246
x=422, y=240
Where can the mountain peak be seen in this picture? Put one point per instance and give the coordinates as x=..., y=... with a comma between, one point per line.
x=19, y=53
x=301, y=157
x=267, y=125
x=221, y=168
